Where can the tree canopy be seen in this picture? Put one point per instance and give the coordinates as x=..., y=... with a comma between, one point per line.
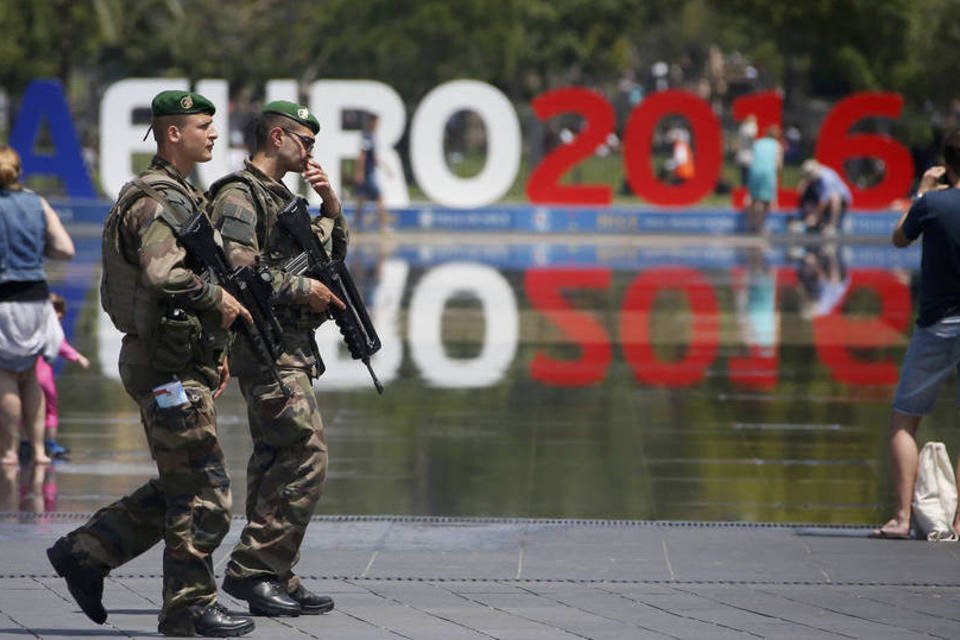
x=820, y=48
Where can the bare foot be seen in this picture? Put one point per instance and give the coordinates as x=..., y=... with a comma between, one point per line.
x=10, y=459
x=893, y=529
x=44, y=459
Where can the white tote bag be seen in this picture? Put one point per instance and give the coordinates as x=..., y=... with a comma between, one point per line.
x=935, y=493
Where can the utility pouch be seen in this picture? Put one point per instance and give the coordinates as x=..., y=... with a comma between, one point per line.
x=175, y=345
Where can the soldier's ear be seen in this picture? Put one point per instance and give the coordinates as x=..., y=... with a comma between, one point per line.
x=276, y=137
x=173, y=133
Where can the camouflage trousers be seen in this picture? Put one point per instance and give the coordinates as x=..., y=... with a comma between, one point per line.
x=187, y=506
x=285, y=476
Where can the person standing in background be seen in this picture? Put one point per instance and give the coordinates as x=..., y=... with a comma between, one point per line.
x=933, y=354
x=48, y=384
x=30, y=231
x=680, y=165
x=765, y=166
x=366, y=176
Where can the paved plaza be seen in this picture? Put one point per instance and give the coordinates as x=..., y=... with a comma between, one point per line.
x=525, y=579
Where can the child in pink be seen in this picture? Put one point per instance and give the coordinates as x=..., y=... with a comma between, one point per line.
x=49, y=386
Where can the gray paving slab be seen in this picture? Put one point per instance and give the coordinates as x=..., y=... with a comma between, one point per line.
x=516, y=579
x=870, y=611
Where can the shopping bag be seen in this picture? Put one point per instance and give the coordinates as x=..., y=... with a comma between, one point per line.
x=935, y=494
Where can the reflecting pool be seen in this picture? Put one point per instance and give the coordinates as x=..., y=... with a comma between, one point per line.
x=594, y=377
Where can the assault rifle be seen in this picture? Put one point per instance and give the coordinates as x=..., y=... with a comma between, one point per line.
x=354, y=322
x=250, y=287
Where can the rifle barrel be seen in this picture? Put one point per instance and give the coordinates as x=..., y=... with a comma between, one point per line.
x=373, y=374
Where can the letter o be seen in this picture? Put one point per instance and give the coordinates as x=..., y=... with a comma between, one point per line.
x=501, y=325
x=503, y=144
x=701, y=349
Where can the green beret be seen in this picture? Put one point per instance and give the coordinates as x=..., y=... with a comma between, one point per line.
x=179, y=103
x=295, y=112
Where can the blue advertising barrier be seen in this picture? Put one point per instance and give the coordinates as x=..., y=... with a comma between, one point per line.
x=523, y=256
x=525, y=218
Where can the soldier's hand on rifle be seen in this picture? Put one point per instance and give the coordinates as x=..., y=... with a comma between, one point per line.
x=229, y=308
x=320, y=297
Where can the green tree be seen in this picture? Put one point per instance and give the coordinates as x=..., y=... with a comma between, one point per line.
x=841, y=45
x=44, y=39
x=928, y=73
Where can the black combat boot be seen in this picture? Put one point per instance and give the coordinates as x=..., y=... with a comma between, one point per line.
x=311, y=603
x=85, y=583
x=213, y=622
x=266, y=596
x=217, y=622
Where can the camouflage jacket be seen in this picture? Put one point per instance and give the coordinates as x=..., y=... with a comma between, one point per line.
x=244, y=208
x=145, y=240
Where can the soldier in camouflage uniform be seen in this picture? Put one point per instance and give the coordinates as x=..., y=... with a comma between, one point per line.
x=173, y=364
x=286, y=470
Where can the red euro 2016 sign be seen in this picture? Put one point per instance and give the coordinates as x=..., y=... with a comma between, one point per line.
x=122, y=138
x=835, y=146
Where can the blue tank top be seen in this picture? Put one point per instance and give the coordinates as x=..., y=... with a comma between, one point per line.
x=22, y=235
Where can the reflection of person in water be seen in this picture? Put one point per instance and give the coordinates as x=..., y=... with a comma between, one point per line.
x=756, y=303
x=823, y=281
x=366, y=266
x=31, y=488
x=38, y=489
x=8, y=487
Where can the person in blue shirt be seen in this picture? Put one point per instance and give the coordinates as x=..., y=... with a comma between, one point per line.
x=30, y=231
x=824, y=199
x=366, y=176
x=934, y=350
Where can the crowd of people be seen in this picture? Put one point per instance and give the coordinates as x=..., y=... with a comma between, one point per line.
x=823, y=196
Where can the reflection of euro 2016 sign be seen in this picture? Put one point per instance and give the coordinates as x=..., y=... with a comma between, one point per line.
x=577, y=347
x=121, y=137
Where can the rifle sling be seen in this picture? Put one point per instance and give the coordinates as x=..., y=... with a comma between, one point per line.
x=167, y=213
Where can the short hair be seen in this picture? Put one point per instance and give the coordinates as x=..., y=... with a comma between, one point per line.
x=810, y=169
x=265, y=124
x=951, y=150
x=159, y=125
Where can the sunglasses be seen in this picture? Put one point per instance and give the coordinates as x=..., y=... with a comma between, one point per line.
x=306, y=141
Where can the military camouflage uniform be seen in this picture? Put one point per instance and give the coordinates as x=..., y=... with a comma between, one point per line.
x=188, y=505
x=286, y=470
